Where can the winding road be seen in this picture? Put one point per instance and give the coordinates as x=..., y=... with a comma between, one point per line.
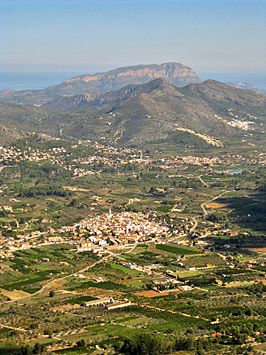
x=205, y=213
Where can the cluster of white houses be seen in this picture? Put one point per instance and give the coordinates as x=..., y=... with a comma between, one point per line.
x=92, y=234
x=115, y=229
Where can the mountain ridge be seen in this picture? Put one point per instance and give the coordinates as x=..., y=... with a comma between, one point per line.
x=204, y=114
x=100, y=83
x=116, y=96
x=172, y=71
x=219, y=91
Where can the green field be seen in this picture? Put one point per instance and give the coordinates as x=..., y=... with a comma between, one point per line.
x=170, y=248
x=222, y=273
x=131, y=272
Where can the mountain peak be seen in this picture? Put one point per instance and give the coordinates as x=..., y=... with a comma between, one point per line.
x=217, y=91
x=177, y=73
x=114, y=98
x=155, y=84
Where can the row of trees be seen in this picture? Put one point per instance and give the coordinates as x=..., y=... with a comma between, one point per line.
x=24, y=350
x=148, y=344
x=44, y=190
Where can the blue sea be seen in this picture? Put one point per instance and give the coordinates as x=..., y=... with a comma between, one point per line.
x=33, y=80
x=40, y=80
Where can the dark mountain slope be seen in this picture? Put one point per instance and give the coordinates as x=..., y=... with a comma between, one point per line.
x=209, y=113
x=21, y=116
x=158, y=111
x=108, y=100
x=153, y=115
x=214, y=91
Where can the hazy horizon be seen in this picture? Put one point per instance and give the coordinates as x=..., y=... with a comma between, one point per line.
x=94, y=68
x=40, y=80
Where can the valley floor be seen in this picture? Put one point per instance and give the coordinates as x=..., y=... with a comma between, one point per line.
x=100, y=245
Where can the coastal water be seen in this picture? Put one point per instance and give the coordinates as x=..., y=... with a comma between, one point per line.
x=32, y=80
x=40, y=80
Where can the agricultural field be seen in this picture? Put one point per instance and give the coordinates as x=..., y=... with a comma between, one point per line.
x=190, y=275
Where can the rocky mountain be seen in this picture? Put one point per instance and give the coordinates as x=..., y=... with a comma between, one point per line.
x=200, y=115
x=176, y=73
x=108, y=100
x=159, y=112
x=99, y=83
x=68, y=103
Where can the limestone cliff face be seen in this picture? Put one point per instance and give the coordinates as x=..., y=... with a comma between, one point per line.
x=175, y=73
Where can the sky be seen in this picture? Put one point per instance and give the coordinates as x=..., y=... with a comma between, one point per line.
x=75, y=35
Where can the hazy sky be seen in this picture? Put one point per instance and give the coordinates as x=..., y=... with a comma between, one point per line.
x=208, y=35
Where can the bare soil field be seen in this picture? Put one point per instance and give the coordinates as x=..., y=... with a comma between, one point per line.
x=15, y=294
x=215, y=205
x=152, y=293
x=259, y=250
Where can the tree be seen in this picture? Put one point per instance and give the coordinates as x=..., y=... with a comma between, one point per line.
x=48, y=332
x=81, y=344
x=25, y=350
x=51, y=293
x=144, y=344
x=38, y=348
